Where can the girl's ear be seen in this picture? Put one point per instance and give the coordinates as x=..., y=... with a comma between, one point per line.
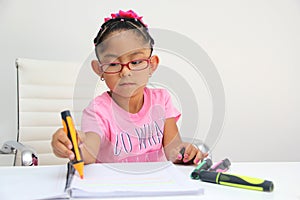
x=154, y=61
x=96, y=67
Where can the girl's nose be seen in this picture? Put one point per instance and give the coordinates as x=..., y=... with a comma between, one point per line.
x=125, y=72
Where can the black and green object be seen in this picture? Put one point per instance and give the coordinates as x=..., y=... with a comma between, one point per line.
x=204, y=165
x=236, y=181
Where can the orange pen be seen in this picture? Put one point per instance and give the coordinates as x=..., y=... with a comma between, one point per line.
x=69, y=128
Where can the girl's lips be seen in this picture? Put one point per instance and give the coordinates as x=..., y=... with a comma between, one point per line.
x=126, y=84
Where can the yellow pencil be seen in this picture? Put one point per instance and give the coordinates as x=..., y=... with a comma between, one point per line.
x=69, y=128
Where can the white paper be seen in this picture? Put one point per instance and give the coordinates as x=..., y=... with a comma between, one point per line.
x=37, y=182
x=133, y=179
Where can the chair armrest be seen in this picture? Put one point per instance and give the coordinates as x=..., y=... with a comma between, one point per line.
x=28, y=155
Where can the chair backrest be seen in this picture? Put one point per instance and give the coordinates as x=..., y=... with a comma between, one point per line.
x=45, y=88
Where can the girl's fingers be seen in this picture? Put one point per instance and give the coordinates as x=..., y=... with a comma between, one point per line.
x=180, y=151
x=65, y=141
x=189, y=154
x=199, y=156
x=61, y=145
x=63, y=152
x=204, y=155
x=61, y=137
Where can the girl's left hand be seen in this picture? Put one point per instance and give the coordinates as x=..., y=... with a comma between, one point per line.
x=189, y=153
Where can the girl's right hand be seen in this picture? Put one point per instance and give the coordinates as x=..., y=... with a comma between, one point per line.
x=89, y=144
x=62, y=145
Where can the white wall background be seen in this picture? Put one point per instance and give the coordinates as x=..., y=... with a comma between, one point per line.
x=254, y=44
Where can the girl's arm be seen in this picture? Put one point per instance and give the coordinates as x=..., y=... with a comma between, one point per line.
x=173, y=144
x=171, y=140
x=89, y=145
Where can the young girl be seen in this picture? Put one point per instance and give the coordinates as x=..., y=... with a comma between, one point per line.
x=129, y=123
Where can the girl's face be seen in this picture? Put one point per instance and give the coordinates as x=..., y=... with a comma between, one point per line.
x=124, y=47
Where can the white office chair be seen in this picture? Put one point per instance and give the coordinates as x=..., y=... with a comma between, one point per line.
x=45, y=88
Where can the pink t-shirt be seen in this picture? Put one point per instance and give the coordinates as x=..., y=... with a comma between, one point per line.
x=127, y=137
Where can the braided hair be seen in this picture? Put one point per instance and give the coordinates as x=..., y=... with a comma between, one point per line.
x=121, y=24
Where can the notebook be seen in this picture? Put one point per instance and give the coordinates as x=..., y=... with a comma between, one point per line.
x=100, y=180
x=132, y=179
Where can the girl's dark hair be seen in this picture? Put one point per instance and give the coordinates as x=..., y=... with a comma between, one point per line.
x=118, y=24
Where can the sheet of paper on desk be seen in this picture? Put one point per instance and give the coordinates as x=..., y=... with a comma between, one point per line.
x=133, y=179
x=36, y=182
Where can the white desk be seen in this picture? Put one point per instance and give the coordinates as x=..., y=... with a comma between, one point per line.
x=285, y=177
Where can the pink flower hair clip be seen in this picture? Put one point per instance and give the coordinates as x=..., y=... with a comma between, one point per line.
x=128, y=14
